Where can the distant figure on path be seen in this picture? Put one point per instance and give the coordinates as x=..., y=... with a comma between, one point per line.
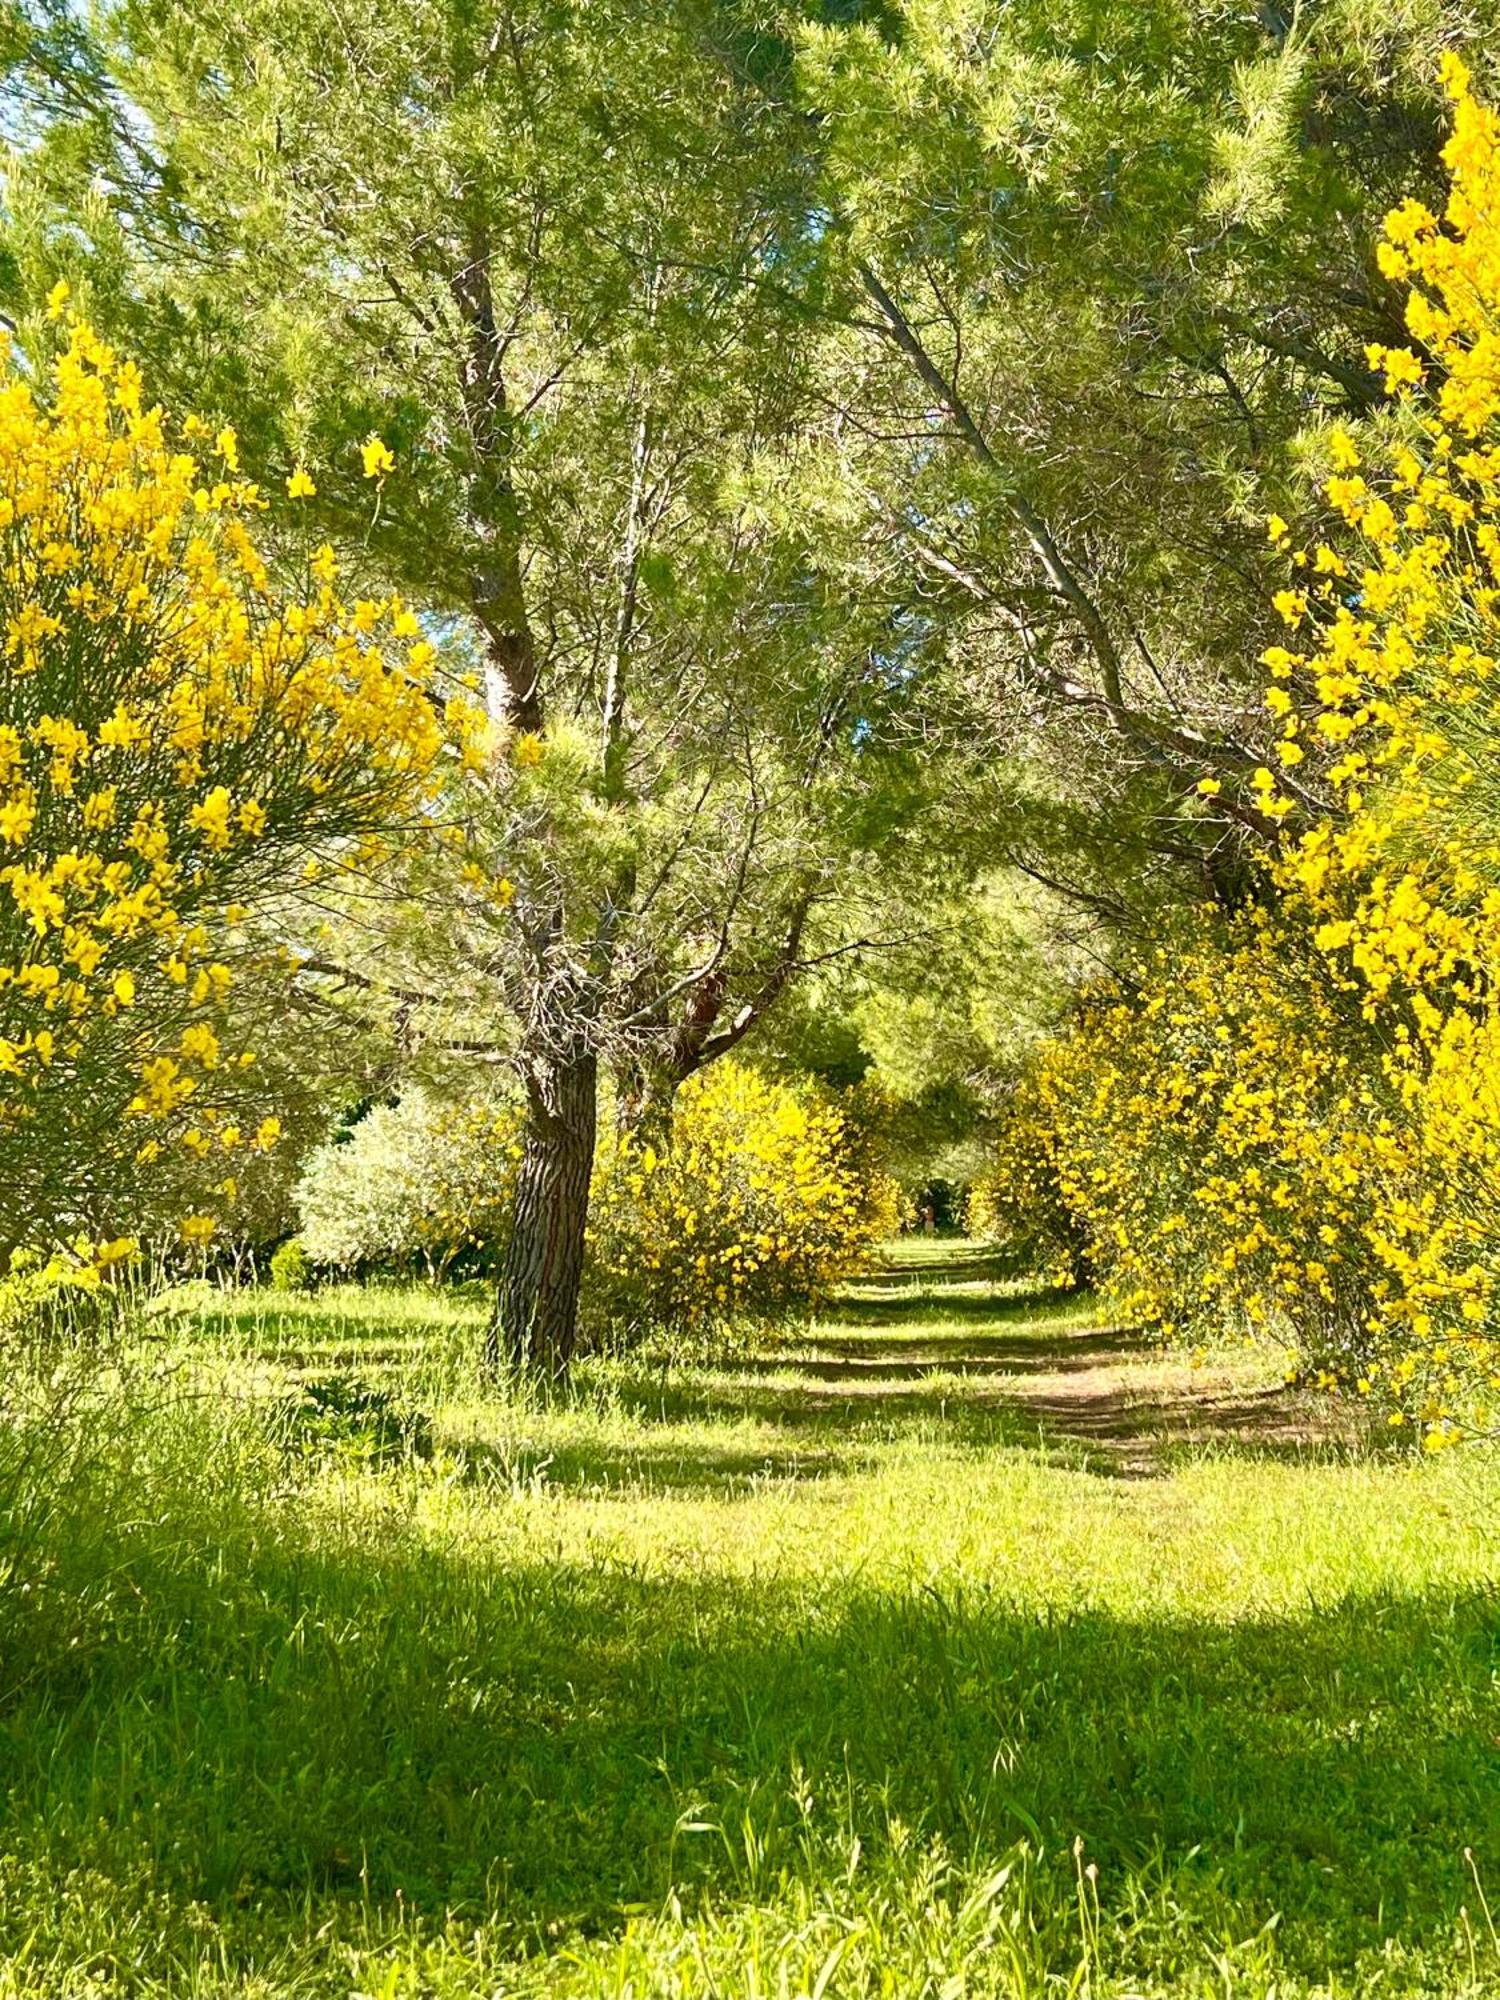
x=929, y=1219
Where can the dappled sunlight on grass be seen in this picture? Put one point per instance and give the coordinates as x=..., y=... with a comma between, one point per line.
x=710, y=1677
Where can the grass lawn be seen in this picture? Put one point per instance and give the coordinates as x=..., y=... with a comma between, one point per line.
x=957, y=1647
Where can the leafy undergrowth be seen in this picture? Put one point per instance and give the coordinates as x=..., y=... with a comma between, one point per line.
x=959, y=1649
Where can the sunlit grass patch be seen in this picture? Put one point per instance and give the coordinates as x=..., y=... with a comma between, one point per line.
x=835, y=1659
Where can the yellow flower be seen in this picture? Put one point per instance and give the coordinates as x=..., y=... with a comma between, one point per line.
x=377, y=456
x=126, y=830
x=1292, y=605
x=299, y=485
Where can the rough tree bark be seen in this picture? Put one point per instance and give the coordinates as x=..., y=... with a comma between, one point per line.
x=648, y=1080
x=534, y=1325
x=497, y=589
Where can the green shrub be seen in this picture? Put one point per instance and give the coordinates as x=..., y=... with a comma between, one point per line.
x=339, y=1417
x=418, y=1184
x=291, y=1268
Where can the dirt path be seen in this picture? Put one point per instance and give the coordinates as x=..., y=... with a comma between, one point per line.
x=940, y=1325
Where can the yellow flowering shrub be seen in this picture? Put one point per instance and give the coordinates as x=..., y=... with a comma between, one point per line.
x=1291, y=1119
x=1019, y=1201
x=1215, y=1142
x=175, y=731
x=766, y=1196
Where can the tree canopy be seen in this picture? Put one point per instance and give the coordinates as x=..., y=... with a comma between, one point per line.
x=829, y=446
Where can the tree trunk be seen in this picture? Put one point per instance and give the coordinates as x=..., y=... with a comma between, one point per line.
x=535, y=1322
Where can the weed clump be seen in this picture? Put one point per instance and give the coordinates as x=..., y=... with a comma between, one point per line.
x=343, y=1418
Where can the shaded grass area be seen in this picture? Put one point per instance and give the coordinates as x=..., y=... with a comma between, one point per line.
x=734, y=1678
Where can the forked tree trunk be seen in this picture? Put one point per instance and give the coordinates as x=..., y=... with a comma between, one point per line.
x=535, y=1322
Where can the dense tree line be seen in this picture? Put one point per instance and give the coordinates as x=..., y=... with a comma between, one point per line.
x=831, y=442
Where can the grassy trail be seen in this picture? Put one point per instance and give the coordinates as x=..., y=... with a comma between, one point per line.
x=959, y=1647
x=937, y=1312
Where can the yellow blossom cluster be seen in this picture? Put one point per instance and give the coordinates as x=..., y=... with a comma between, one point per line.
x=174, y=730
x=1022, y=1199
x=1291, y=1118
x=765, y=1197
x=1220, y=1143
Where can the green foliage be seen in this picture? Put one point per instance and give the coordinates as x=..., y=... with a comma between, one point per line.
x=291, y=1267
x=1104, y=270
x=338, y=1417
x=313, y=1059
x=936, y=1021
x=928, y=419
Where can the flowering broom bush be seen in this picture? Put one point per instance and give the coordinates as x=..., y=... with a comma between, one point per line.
x=175, y=733
x=1021, y=1199
x=1212, y=1142
x=1292, y=1117
x=766, y=1197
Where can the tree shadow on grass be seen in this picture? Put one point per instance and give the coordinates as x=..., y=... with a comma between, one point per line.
x=687, y=1433
x=290, y=1732
x=839, y=1411
x=357, y=1318
x=980, y=1354
x=1073, y=1396
x=697, y=1466
x=1129, y=1435
x=946, y=1261
x=1016, y=1367
x=877, y=1303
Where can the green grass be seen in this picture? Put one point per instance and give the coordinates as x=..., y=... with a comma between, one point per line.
x=957, y=1648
